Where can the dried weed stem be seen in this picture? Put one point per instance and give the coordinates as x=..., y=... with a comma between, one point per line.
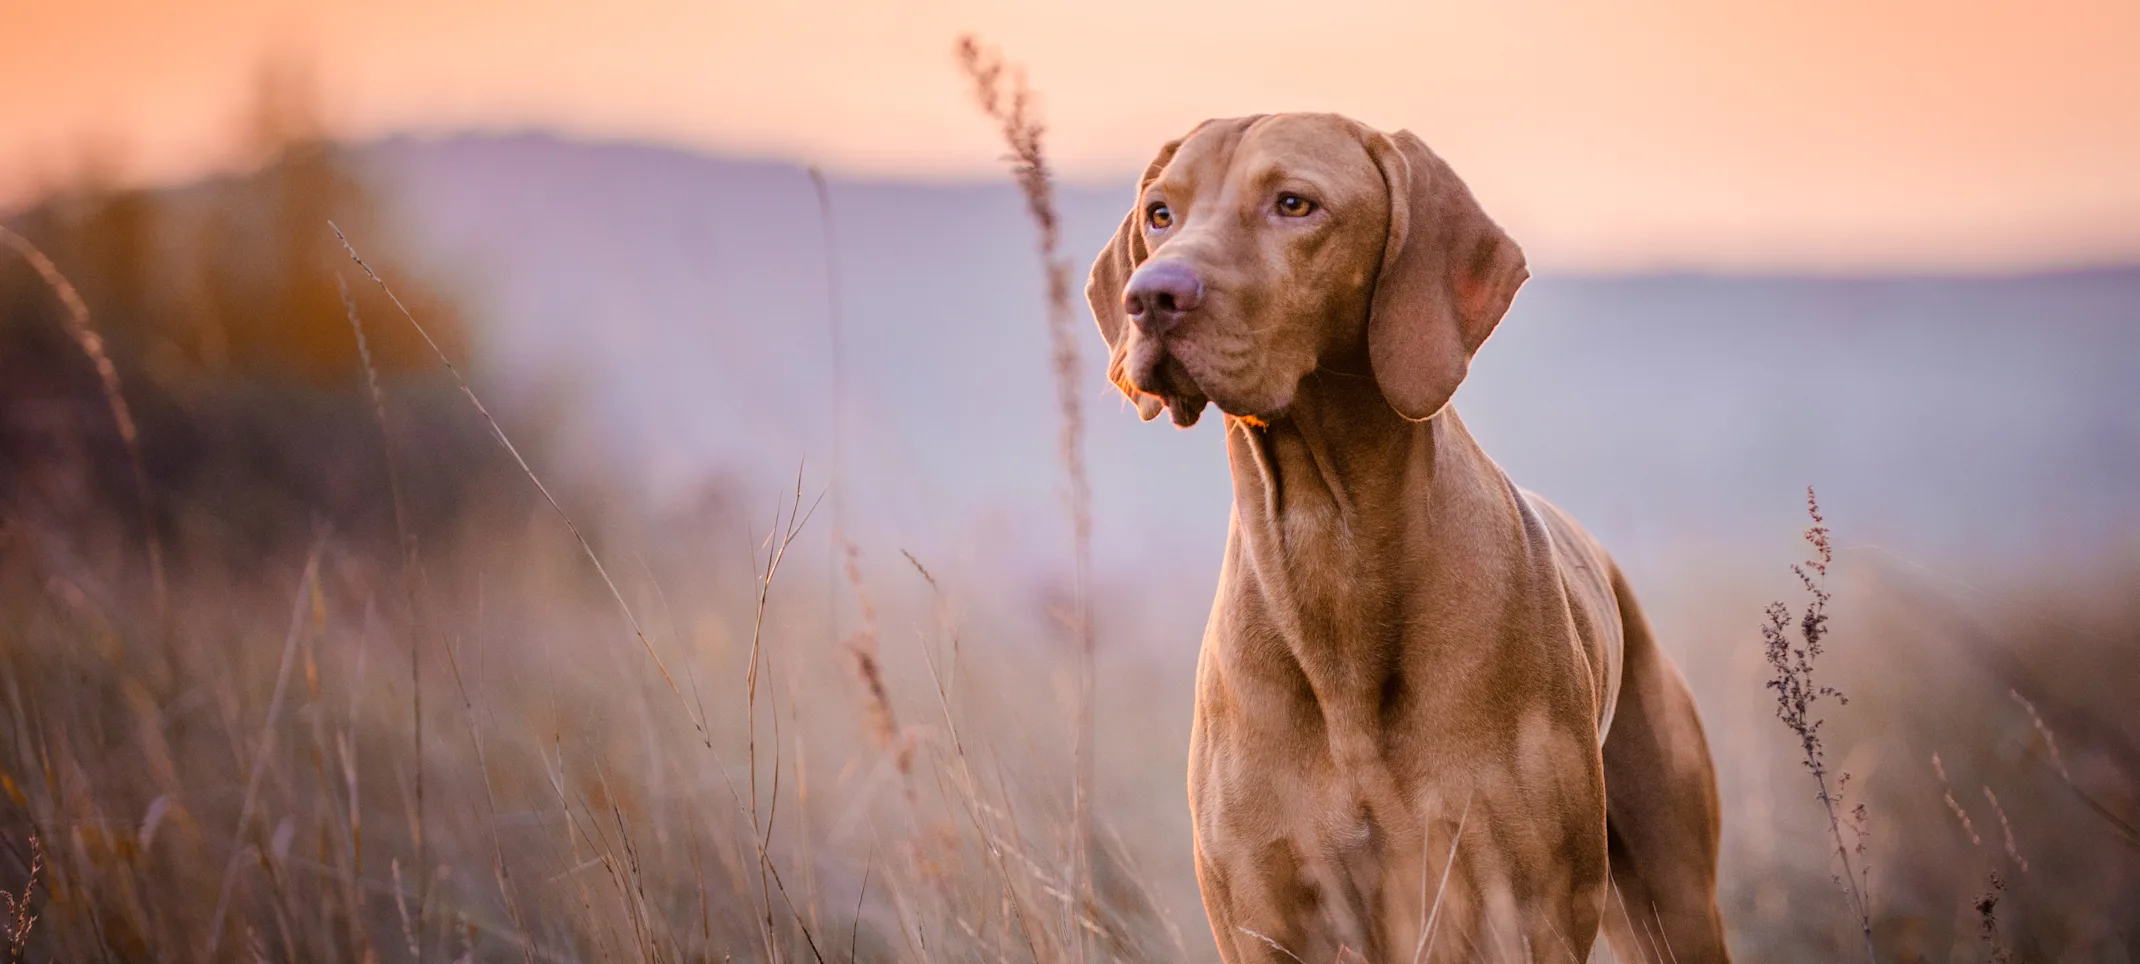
x=1001, y=92
x=1791, y=661
x=586, y=547
x=15, y=913
x=92, y=344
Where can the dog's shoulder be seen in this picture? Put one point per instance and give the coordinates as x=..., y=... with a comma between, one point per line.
x=1587, y=574
x=1576, y=548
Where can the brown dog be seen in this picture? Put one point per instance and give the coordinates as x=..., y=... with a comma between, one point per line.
x=1431, y=722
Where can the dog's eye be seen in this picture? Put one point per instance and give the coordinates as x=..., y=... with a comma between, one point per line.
x=1159, y=216
x=1295, y=206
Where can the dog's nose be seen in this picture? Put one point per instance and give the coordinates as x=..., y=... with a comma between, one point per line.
x=1160, y=293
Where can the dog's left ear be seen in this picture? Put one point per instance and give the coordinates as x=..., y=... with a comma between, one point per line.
x=1448, y=275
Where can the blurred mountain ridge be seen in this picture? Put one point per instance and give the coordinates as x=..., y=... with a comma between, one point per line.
x=684, y=298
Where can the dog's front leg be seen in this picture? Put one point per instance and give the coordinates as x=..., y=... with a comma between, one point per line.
x=1268, y=906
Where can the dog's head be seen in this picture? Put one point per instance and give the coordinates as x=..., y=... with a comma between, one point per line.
x=1260, y=248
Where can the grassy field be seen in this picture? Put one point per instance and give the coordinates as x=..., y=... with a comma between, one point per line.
x=300, y=665
x=301, y=759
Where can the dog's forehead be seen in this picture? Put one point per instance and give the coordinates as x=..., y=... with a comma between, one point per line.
x=1203, y=156
x=1304, y=137
x=1309, y=145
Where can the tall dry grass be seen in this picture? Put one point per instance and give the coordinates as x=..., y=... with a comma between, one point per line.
x=297, y=799
x=85, y=336
x=1001, y=92
x=391, y=711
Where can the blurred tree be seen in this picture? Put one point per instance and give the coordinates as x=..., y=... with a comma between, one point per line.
x=238, y=275
x=221, y=307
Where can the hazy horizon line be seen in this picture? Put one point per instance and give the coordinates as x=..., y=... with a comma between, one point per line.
x=1664, y=267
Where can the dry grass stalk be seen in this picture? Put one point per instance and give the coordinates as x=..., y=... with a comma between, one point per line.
x=2012, y=849
x=525, y=938
x=263, y=756
x=778, y=540
x=406, y=540
x=2123, y=827
x=92, y=344
x=377, y=395
x=1954, y=806
x=1987, y=908
x=2050, y=743
x=970, y=790
x=586, y=547
x=836, y=342
x=1002, y=94
x=401, y=911
x=15, y=913
x=1433, y=913
x=1797, y=692
x=862, y=649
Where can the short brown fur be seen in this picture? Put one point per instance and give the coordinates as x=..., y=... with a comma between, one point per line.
x=1425, y=696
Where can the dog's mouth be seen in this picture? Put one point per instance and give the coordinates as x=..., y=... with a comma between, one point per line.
x=1158, y=373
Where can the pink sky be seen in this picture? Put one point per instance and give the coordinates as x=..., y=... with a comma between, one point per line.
x=1824, y=134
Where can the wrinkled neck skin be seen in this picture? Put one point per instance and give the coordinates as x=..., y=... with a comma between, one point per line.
x=1340, y=466
x=1381, y=553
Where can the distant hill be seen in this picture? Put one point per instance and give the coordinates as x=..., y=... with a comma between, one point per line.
x=682, y=299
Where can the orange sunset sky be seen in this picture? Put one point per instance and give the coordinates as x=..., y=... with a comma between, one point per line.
x=1815, y=134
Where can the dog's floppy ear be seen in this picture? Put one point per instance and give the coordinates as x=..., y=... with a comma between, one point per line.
x=1448, y=275
x=1110, y=272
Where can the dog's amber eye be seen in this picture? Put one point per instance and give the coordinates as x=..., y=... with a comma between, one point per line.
x=1159, y=216
x=1295, y=206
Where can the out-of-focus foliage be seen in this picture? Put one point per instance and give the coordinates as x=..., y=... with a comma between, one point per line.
x=220, y=307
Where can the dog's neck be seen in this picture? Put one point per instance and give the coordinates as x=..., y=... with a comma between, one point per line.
x=1358, y=534
x=1340, y=464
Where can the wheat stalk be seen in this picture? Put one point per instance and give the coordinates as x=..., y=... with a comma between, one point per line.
x=1001, y=92
x=92, y=345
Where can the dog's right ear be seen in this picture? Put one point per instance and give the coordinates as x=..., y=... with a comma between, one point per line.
x=1110, y=272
